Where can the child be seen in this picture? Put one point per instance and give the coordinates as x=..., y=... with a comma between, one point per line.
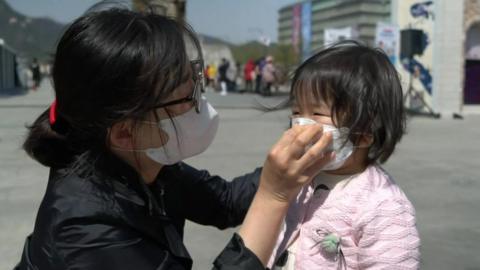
x=353, y=215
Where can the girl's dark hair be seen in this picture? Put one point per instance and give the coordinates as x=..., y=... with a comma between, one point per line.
x=109, y=66
x=363, y=89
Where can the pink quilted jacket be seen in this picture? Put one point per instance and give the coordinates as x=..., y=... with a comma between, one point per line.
x=369, y=214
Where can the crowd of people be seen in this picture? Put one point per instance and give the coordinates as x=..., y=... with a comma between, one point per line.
x=255, y=76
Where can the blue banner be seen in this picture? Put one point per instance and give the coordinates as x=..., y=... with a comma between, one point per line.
x=306, y=29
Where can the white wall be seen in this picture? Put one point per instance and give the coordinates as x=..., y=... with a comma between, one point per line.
x=402, y=17
x=448, y=59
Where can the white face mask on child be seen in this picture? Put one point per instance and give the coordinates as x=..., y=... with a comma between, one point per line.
x=191, y=135
x=342, y=147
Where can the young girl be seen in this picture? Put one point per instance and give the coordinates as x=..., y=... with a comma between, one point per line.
x=353, y=215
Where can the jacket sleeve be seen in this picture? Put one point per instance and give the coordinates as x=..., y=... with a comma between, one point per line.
x=96, y=246
x=212, y=200
x=237, y=257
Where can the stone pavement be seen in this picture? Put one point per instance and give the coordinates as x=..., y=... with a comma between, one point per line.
x=436, y=164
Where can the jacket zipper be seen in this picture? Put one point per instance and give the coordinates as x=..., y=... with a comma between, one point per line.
x=162, y=202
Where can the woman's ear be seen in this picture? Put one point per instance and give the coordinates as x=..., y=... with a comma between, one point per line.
x=121, y=135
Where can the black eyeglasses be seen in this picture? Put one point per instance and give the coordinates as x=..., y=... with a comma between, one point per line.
x=197, y=70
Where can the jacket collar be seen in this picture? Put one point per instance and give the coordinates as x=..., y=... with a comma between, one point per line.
x=116, y=167
x=129, y=179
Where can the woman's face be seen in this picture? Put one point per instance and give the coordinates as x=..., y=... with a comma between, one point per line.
x=184, y=90
x=149, y=135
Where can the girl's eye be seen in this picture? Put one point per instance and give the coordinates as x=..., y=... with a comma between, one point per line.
x=295, y=113
x=320, y=114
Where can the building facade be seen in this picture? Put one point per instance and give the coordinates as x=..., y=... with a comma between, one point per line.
x=7, y=67
x=471, y=41
x=357, y=16
x=445, y=77
x=450, y=64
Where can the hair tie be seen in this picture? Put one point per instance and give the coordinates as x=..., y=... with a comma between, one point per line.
x=53, y=113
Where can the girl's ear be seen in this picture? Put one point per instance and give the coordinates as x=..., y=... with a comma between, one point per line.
x=121, y=135
x=365, y=140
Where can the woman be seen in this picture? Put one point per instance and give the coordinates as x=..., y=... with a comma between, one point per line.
x=128, y=110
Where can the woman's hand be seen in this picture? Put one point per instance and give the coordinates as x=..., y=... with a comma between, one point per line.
x=289, y=166
x=287, y=169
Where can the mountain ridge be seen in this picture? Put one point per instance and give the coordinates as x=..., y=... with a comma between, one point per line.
x=37, y=37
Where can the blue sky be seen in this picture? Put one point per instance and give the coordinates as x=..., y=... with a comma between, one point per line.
x=232, y=20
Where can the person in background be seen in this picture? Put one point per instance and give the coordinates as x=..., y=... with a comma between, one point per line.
x=205, y=72
x=249, y=75
x=259, y=64
x=268, y=76
x=212, y=74
x=208, y=80
x=36, y=75
x=222, y=76
x=239, y=81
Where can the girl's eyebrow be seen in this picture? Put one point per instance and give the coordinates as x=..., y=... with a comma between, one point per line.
x=313, y=105
x=321, y=108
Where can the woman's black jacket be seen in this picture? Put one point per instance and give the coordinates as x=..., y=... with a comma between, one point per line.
x=100, y=215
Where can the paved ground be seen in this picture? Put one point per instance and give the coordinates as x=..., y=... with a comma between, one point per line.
x=437, y=165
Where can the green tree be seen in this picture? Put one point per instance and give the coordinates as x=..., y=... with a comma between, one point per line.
x=251, y=50
x=285, y=56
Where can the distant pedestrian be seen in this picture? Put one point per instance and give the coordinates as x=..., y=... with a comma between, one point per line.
x=205, y=73
x=208, y=79
x=249, y=74
x=239, y=81
x=268, y=76
x=258, y=71
x=222, y=76
x=212, y=74
x=35, y=67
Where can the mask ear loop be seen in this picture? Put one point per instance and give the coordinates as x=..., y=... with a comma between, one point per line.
x=170, y=118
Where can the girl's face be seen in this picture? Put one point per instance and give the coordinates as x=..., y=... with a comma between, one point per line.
x=320, y=112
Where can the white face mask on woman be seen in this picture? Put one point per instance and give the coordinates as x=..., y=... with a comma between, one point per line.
x=342, y=147
x=189, y=134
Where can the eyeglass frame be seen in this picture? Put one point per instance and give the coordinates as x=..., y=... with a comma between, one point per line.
x=198, y=78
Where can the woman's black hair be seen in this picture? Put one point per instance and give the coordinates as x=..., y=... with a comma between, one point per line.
x=363, y=89
x=109, y=66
